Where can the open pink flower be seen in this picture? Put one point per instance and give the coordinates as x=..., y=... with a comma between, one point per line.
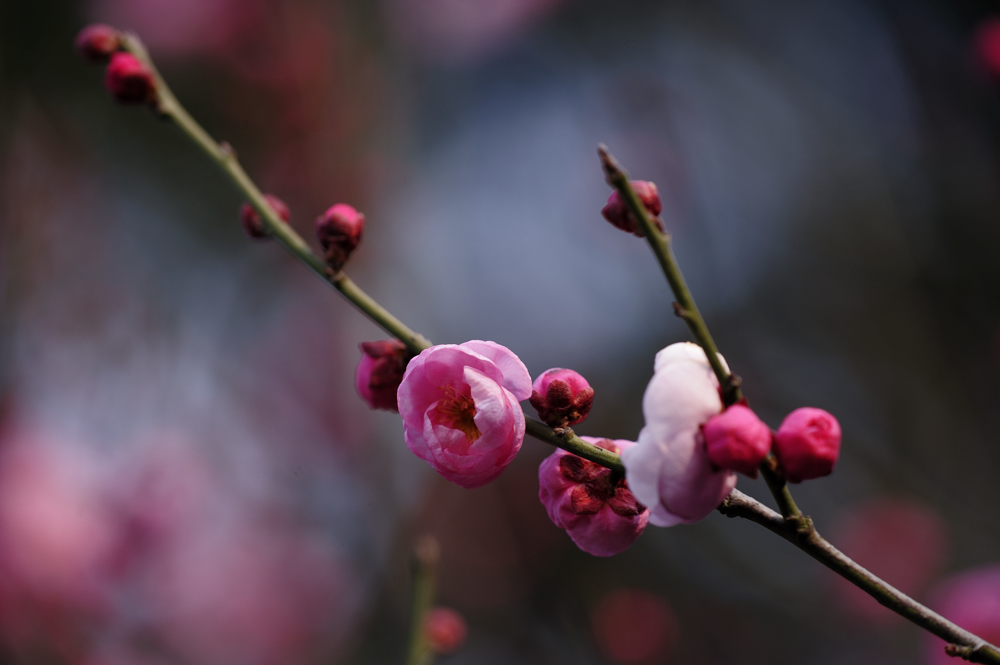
x=602, y=518
x=459, y=405
x=668, y=469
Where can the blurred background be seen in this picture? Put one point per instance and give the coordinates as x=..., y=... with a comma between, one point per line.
x=186, y=473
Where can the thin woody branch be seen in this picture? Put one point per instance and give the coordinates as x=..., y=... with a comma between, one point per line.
x=801, y=532
x=790, y=524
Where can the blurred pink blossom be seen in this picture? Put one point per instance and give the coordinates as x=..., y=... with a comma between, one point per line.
x=459, y=405
x=897, y=539
x=987, y=44
x=56, y=541
x=669, y=470
x=445, y=629
x=601, y=518
x=972, y=600
x=634, y=626
x=181, y=28
x=247, y=594
x=454, y=29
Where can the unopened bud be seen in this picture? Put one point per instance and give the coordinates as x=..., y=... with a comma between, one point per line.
x=444, y=629
x=617, y=211
x=562, y=397
x=97, y=42
x=339, y=230
x=128, y=80
x=593, y=505
x=380, y=372
x=807, y=444
x=737, y=439
x=254, y=225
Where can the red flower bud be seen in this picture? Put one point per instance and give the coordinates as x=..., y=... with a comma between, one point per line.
x=617, y=212
x=128, y=80
x=380, y=372
x=254, y=225
x=737, y=439
x=97, y=42
x=339, y=230
x=444, y=629
x=562, y=397
x=807, y=444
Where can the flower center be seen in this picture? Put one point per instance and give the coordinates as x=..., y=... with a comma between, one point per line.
x=456, y=411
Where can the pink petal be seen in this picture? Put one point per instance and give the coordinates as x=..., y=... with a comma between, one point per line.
x=515, y=375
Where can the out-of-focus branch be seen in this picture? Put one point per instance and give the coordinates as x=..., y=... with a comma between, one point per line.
x=801, y=532
x=426, y=556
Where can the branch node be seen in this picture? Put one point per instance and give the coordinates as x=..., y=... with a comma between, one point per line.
x=227, y=150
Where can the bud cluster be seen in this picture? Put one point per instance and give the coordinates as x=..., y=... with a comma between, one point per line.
x=127, y=79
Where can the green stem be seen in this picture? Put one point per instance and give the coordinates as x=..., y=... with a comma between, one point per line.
x=569, y=441
x=425, y=564
x=687, y=309
x=225, y=158
x=659, y=242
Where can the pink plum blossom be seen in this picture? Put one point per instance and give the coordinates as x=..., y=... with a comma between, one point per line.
x=562, y=397
x=737, y=439
x=972, y=600
x=459, y=405
x=602, y=518
x=807, y=444
x=669, y=469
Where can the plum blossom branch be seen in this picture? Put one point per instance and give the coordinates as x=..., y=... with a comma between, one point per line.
x=224, y=156
x=168, y=106
x=791, y=524
x=802, y=533
x=686, y=308
x=659, y=242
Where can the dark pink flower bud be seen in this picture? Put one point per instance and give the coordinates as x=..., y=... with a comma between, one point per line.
x=97, y=42
x=598, y=512
x=339, y=230
x=807, y=444
x=444, y=629
x=380, y=372
x=616, y=211
x=562, y=397
x=254, y=225
x=128, y=80
x=737, y=439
